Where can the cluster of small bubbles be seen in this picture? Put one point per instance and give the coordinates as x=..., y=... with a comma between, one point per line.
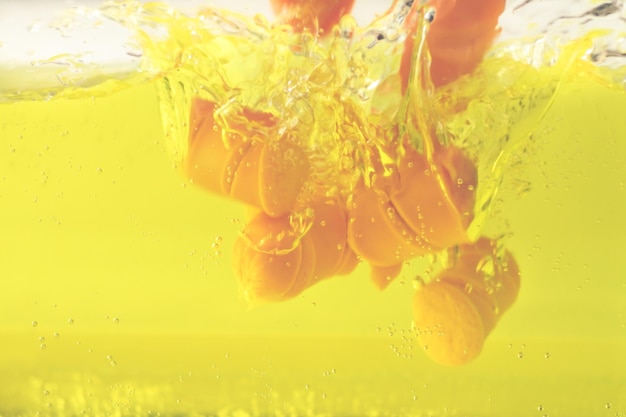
x=112, y=361
x=216, y=246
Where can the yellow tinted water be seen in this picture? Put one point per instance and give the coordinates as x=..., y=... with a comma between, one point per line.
x=119, y=297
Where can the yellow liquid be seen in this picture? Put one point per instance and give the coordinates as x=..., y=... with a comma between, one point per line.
x=119, y=297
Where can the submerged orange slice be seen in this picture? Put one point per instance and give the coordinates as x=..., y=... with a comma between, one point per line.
x=427, y=210
x=267, y=173
x=456, y=312
x=273, y=263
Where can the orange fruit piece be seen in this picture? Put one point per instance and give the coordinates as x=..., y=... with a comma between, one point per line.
x=267, y=173
x=456, y=312
x=437, y=199
x=458, y=38
x=427, y=210
x=316, y=16
x=274, y=264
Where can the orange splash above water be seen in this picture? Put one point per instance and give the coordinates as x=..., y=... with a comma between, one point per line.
x=414, y=193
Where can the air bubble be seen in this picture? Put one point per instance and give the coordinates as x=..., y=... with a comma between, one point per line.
x=34, y=324
x=392, y=34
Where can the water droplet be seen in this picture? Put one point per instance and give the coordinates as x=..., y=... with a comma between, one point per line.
x=70, y=321
x=520, y=355
x=547, y=355
x=34, y=324
x=56, y=335
x=43, y=346
x=607, y=405
x=116, y=320
x=42, y=339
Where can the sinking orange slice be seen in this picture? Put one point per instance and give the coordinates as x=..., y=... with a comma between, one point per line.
x=456, y=312
x=267, y=173
x=274, y=263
